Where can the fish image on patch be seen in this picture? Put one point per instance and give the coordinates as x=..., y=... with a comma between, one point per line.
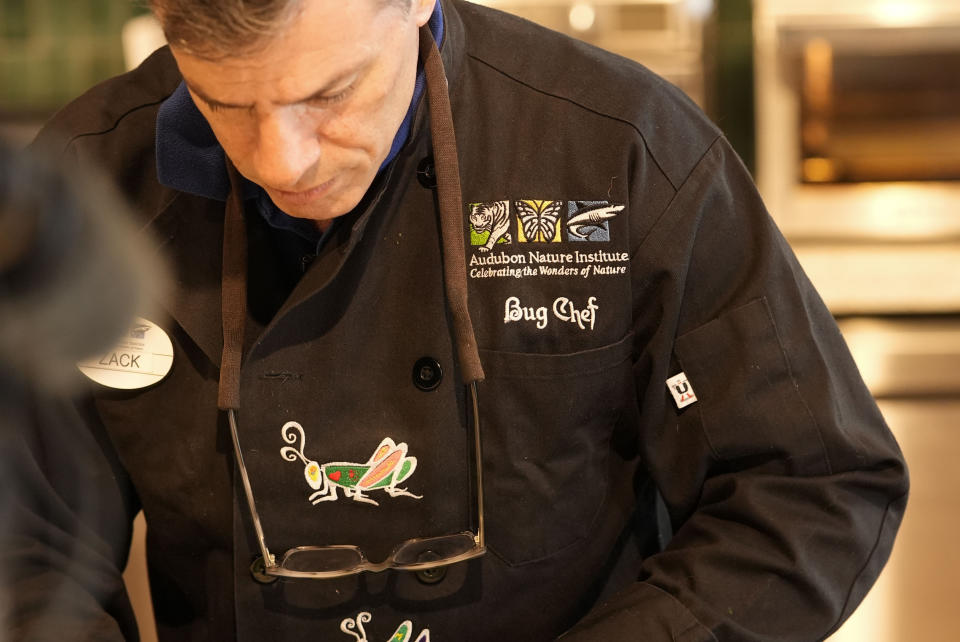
x=590, y=220
x=387, y=467
x=539, y=221
x=489, y=224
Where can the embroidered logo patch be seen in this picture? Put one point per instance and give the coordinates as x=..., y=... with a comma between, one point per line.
x=539, y=221
x=354, y=627
x=489, y=224
x=508, y=238
x=589, y=220
x=681, y=390
x=387, y=467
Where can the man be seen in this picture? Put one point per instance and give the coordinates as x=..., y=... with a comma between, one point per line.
x=582, y=280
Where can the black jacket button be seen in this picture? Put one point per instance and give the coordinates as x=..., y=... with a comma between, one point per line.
x=258, y=571
x=432, y=575
x=427, y=373
x=426, y=173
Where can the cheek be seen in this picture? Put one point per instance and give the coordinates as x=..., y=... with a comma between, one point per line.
x=357, y=130
x=370, y=121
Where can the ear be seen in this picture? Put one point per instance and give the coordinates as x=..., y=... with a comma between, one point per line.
x=422, y=10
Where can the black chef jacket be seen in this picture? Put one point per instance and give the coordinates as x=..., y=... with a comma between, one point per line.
x=612, y=241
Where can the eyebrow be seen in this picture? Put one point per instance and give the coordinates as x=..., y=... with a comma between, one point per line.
x=219, y=104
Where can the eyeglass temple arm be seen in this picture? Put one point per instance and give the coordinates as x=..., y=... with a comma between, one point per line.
x=268, y=559
x=479, y=463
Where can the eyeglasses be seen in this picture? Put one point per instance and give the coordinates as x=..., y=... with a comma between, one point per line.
x=322, y=562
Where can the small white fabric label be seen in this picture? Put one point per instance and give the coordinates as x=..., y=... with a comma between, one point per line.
x=141, y=358
x=681, y=390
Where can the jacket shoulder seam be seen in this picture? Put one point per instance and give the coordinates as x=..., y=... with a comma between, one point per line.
x=116, y=123
x=592, y=110
x=679, y=188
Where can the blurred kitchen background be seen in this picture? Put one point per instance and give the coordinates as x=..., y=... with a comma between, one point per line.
x=848, y=114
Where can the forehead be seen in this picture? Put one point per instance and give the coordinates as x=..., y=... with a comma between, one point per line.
x=321, y=42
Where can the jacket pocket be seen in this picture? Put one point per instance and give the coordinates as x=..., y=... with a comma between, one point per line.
x=546, y=423
x=748, y=401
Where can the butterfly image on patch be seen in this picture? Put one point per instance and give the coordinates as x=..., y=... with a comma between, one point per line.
x=539, y=221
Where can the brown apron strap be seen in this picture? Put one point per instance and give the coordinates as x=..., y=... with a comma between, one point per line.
x=451, y=207
x=233, y=295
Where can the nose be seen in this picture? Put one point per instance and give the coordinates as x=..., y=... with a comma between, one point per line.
x=287, y=151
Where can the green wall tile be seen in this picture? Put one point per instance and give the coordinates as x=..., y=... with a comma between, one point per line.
x=53, y=50
x=13, y=19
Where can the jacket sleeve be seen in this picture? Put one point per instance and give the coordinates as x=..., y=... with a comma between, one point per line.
x=784, y=486
x=66, y=507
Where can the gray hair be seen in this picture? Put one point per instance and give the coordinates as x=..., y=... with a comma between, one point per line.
x=216, y=29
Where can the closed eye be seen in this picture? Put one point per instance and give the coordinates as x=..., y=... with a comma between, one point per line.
x=217, y=107
x=324, y=100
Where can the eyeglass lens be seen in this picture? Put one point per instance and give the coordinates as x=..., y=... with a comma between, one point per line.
x=327, y=559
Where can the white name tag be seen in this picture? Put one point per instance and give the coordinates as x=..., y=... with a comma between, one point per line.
x=681, y=390
x=141, y=358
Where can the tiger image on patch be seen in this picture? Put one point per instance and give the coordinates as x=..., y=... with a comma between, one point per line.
x=489, y=224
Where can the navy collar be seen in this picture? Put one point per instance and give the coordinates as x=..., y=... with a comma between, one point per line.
x=189, y=158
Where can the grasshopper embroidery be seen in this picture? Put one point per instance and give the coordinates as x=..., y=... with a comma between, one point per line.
x=387, y=467
x=354, y=627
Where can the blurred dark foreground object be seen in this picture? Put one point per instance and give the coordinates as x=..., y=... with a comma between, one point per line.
x=73, y=270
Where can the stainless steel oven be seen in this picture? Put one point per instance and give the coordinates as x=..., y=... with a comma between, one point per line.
x=665, y=35
x=858, y=130
x=858, y=159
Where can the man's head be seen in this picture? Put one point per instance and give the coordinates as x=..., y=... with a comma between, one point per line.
x=304, y=95
x=217, y=28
